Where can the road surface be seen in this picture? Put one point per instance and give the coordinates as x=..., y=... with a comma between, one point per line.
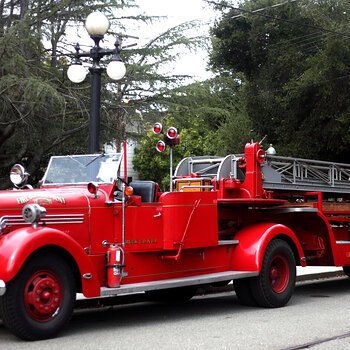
x=317, y=317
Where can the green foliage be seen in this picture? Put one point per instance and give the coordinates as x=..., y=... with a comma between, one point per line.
x=210, y=121
x=42, y=112
x=295, y=76
x=153, y=165
x=214, y=108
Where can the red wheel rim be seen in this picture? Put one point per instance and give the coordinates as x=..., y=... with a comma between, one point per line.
x=43, y=295
x=279, y=274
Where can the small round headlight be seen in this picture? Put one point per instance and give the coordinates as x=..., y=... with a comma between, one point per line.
x=18, y=175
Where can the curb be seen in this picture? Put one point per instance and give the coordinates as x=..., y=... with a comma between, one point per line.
x=320, y=275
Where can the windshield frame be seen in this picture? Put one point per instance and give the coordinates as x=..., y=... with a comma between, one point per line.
x=90, y=159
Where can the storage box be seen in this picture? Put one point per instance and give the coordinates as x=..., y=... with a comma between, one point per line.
x=193, y=184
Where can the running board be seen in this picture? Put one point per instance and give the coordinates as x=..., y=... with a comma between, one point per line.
x=177, y=282
x=343, y=242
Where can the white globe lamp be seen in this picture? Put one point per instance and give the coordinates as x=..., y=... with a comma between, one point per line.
x=97, y=24
x=76, y=73
x=116, y=70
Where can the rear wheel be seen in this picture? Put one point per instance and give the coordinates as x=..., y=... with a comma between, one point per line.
x=39, y=301
x=275, y=284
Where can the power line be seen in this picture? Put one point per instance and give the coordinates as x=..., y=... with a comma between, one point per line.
x=268, y=7
x=305, y=44
x=277, y=18
x=300, y=39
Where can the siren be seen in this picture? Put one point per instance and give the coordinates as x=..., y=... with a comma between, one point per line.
x=157, y=128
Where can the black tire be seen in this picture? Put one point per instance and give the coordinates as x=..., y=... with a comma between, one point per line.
x=346, y=270
x=39, y=301
x=244, y=292
x=171, y=295
x=275, y=284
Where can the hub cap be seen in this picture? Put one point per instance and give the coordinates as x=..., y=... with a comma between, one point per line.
x=43, y=295
x=279, y=274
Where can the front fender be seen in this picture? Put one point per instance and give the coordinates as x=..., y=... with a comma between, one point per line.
x=253, y=240
x=18, y=245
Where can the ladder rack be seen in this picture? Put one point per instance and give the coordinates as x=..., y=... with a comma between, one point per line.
x=296, y=174
x=279, y=173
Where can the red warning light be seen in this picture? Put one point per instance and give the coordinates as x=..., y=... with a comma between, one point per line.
x=157, y=128
x=172, y=133
x=161, y=146
x=92, y=188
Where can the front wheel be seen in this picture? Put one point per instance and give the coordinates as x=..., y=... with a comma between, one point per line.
x=39, y=301
x=275, y=284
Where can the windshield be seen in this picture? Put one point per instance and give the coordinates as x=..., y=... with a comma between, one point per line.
x=82, y=169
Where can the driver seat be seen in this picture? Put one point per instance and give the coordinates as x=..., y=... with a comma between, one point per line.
x=147, y=190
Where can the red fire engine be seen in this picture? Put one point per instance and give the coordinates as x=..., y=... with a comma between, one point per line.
x=249, y=218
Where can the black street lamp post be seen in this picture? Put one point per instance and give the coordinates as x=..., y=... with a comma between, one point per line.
x=97, y=25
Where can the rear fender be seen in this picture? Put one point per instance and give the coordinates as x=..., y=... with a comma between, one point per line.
x=17, y=246
x=253, y=240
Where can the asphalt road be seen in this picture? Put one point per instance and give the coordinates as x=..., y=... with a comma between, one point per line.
x=317, y=317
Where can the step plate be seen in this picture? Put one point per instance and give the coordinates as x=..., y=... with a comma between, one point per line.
x=177, y=282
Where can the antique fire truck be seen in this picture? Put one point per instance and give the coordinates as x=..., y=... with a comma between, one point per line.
x=250, y=218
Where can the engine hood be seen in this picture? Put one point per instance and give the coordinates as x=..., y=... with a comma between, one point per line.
x=47, y=197
x=64, y=205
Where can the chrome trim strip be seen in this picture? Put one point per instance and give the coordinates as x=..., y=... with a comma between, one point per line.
x=286, y=210
x=65, y=215
x=228, y=242
x=343, y=242
x=63, y=222
x=56, y=219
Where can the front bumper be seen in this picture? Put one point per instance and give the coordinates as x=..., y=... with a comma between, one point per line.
x=2, y=287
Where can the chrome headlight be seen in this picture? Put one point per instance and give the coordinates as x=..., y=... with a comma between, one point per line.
x=18, y=175
x=3, y=224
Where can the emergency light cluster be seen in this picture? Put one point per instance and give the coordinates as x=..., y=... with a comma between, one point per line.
x=171, y=138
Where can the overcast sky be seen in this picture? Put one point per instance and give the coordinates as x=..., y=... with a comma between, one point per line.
x=177, y=12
